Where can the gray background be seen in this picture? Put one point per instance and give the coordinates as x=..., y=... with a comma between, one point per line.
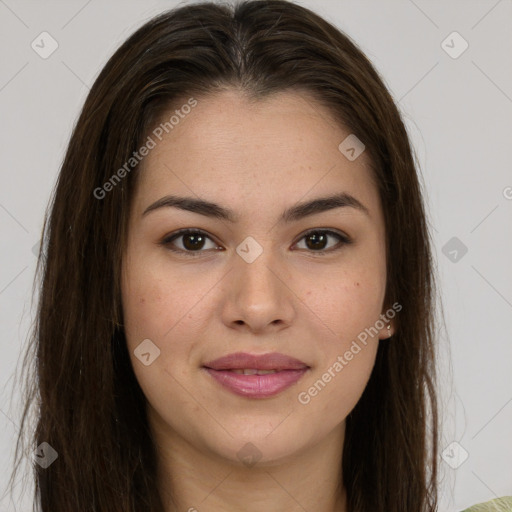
x=458, y=112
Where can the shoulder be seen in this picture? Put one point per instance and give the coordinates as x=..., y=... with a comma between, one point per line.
x=503, y=504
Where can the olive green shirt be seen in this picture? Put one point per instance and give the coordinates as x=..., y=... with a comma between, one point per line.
x=498, y=505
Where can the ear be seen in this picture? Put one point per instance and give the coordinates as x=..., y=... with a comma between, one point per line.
x=388, y=330
x=387, y=318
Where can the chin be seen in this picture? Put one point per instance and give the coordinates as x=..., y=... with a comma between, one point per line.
x=259, y=446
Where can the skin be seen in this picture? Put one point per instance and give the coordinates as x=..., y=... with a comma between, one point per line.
x=257, y=159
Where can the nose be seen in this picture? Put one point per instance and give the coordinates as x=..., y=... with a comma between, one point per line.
x=258, y=297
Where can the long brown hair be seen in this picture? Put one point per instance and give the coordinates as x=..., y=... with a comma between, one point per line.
x=89, y=406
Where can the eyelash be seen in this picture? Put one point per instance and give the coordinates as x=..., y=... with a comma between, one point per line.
x=166, y=242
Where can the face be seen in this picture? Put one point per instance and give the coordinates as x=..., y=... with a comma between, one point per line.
x=305, y=285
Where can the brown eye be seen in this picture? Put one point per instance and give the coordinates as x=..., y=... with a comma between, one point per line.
x=318, y=240
x=192, y=241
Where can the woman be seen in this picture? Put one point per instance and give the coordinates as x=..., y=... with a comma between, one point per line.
x=200, y=344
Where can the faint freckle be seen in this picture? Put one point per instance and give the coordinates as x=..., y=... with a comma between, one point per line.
x=142, y=300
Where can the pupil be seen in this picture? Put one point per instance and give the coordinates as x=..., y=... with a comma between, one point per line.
x=194, y=245
x=317, y=239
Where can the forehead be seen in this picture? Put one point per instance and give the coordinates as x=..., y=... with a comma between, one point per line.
x=238, y=151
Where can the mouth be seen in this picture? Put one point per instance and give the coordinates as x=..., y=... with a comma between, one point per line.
x=256, y=376
x=252, y=371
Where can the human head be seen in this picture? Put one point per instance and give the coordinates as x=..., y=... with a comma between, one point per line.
x=192, y=52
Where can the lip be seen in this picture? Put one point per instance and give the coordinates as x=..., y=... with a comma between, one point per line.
x=288, y=371
x=269, y=361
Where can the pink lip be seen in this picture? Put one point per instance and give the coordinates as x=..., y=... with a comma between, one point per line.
x=270, y=361
x=288, y=371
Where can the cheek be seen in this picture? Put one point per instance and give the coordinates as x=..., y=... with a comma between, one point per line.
x=346, y=303
x=153, y=298
x=346, y=308
x=157, y=312
x=337, y=390
x=167, y=307
x=345, y=353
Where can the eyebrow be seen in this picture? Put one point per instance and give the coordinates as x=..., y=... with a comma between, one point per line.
x=294, y=213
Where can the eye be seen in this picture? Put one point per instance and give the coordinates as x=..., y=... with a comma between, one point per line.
x=193, y=241
x=316, y=240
